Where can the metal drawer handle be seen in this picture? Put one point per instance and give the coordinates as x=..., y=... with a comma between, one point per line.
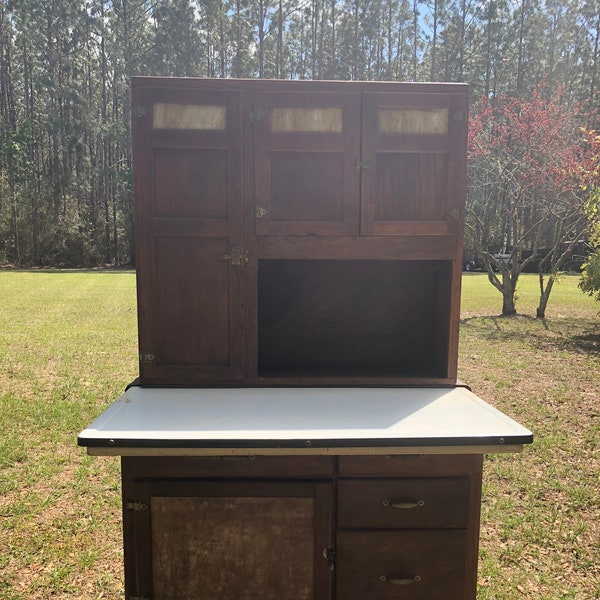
x=400, y=580
x=405, y=504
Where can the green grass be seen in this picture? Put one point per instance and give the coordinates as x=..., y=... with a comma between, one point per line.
x=68, y=347
x=541, y=509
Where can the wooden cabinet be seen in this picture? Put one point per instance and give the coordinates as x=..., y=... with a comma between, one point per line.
x=292, y=528
x=298, y=233
x=307, y=152
x=413, y=159
x=233, y=528
x=299, y=262
x=189, y=218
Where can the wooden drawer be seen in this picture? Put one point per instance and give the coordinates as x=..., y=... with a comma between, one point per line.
x=400, y=565
x=224, y=467
x=428, y=503
x=409, y=465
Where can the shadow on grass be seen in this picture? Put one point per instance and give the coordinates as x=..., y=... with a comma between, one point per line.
x=570, y=334
x=67, y=270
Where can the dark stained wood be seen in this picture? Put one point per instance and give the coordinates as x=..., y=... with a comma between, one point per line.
x=320, y=171
x=379, y=565
x=185, y=84
x=358, y=248
x=189, y=211
x=307, y=186
x=192, y=323
x=411, y=465
x=198, y=507
x=407, y=503
x=411, y=187
x=190, y=183
x=137, y=540
x=227, y=467
x=472, y=551
x=324, y=318
x=306, y=180
x=190, y=538
x=413, y=183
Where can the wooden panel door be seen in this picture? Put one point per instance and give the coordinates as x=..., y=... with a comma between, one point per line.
x=413, y=159
x=190, y=254
x=306, y=153
x=201, y=540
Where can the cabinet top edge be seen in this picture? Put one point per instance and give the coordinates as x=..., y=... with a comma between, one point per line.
x=145, y=81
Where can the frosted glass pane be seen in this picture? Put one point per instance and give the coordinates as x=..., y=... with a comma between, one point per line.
x=393, y=120
x=188, y=116
x=328, y=120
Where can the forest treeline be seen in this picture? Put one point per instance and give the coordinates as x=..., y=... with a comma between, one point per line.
x=65, y=152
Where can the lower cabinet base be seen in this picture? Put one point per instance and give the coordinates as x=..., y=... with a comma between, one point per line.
x=301, y=528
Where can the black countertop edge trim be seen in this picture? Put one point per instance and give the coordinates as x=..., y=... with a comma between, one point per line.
x=137, y=383
x=298, y=444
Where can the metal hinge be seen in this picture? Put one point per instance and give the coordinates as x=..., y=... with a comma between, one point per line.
x=146, y=357
x=136, y=506
x=329, y=556
x=237, y=256
x=140, y=111
x=261, y=212
x=362, y=164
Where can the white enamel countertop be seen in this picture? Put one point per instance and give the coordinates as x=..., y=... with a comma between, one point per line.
x=196, y=421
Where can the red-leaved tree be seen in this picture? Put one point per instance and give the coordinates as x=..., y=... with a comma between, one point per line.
x=525, y=201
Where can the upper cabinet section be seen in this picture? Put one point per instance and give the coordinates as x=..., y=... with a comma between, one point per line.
x=368, y=162
x=306, y=152
x=413, y=152
x=298, y=231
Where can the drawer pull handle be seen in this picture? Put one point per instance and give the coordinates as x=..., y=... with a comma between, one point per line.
x=405, y=504
x=400, y=580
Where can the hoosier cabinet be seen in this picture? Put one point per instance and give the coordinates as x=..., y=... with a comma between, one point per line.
x=297, y=430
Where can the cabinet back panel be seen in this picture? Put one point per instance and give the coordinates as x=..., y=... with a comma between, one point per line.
x=353, y=318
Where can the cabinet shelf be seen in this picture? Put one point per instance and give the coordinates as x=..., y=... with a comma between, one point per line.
x=353, y=318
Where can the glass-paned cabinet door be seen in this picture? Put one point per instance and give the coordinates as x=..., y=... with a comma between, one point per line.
x=306, y=163
x=413, y=147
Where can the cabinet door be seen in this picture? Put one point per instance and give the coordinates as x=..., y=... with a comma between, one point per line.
x=306, y=153
x=233, y=541
x=413, y=159
x=190, y=254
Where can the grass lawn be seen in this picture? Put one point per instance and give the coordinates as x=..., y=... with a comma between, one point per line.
x=68, y=347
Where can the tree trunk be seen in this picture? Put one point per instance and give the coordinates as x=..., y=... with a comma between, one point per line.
x=508, y=303
x=545, y=291
x=506, y=286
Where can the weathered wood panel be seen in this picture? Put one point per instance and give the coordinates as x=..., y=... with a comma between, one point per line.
x=232, y=548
